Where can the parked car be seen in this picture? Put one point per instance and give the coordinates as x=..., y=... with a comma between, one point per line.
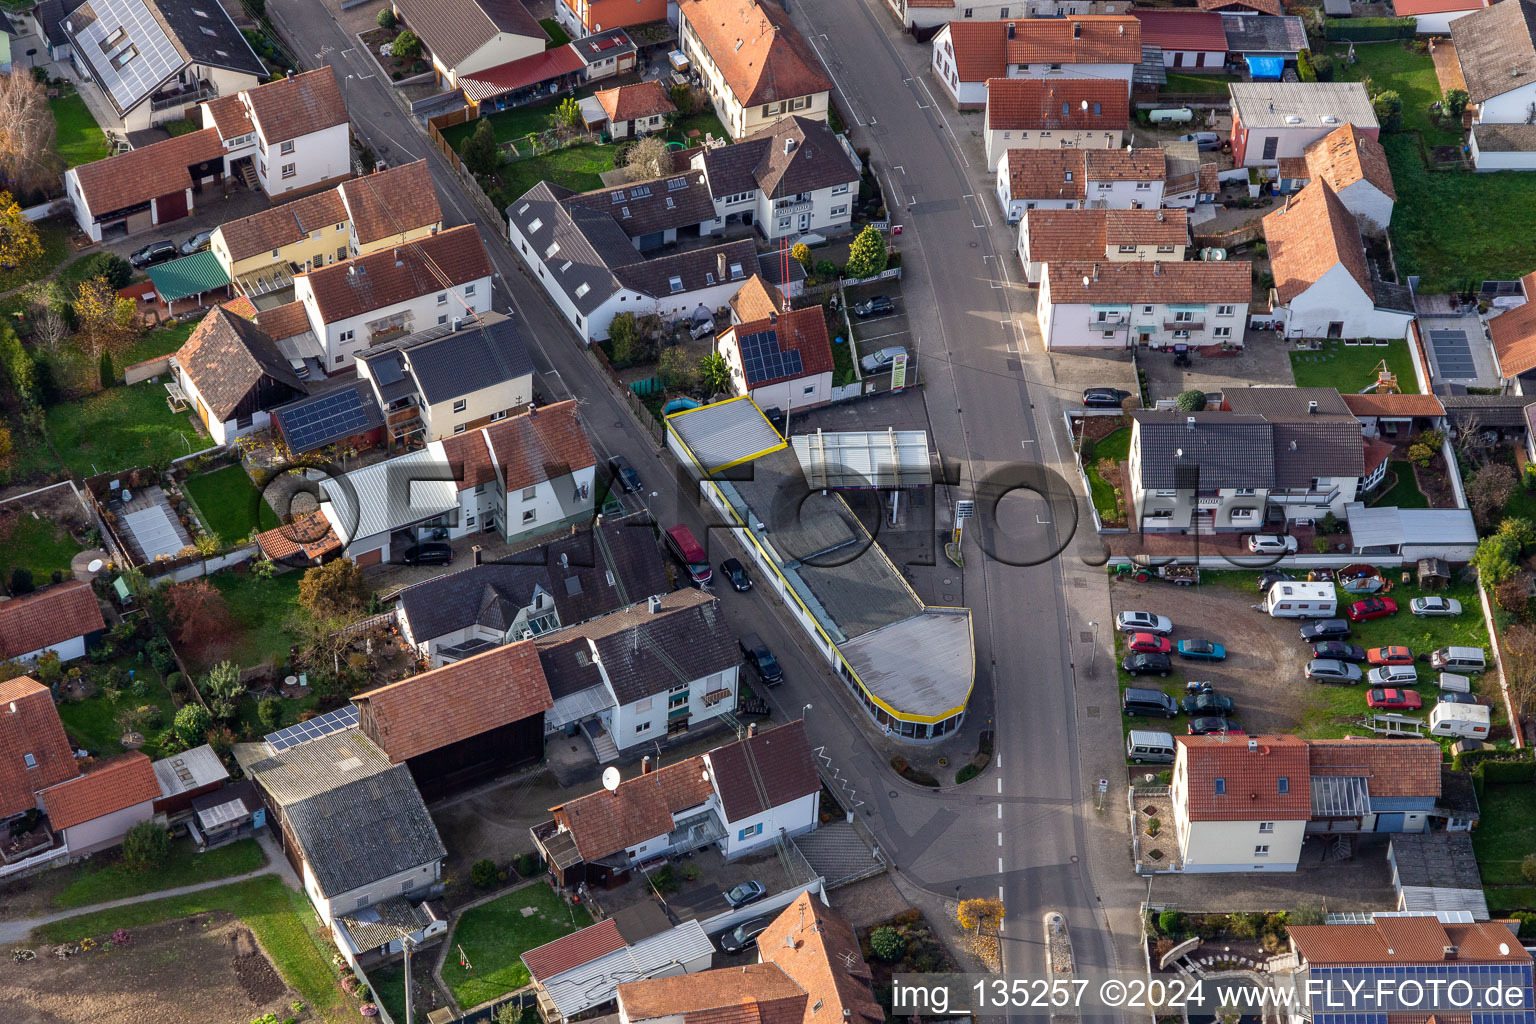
x=1393, y=675
x=1461, y=698
x=1206, y=704
x=1143, y=622
x=1104, y=397
x=875, y=305
x=624, y=474
x=1202, y=649
x=197, y=242
x=1271, y=544
x=1205, y=140
x=1208, y=724
x=1273, y=576
x=761, y=658
x=1325, y=629
x=1138, y=700
x=427, y=554
x=1331, y=670
x=883, y=360
x=740, y=938
x=1394, y=699
x=1371, y=608
x=746, y=892
x=736, y=573
x=1149, y=643
x=1446, y=606
x=1338, y=650
x=154, y=252
x=1146, y=664
x=1389, y=656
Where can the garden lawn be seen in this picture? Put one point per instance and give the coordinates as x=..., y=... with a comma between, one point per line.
x=53, y=233
x=78, y=138
x=107, y=878
x=260, y=609
x=1392, y=65
x=40, y=545
x=557, y=35
x=275, y=913
x=229, y=504
x=1404, y=493
x=494, y=936
x=514, y=124
x=92, y=723
x=576, y=167
x=117, y=429
x=1352, y=367
x=704, y=122
x=153, y=344
x=1215, y=84
x=1504, y=835
x=1116, y=446
x=842, y=364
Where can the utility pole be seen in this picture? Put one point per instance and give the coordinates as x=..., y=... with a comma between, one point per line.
x=406, y=944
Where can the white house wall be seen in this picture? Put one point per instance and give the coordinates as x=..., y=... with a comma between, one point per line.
x=797, y=816
x=1513, y=107
x=1075, y=325
x=1337, y=297
x=107, y=830
x=1370, y=205
x=1000, y=142
x=641, y=722
x=1212, y=846
x=423, y=310
x=479, y=405
x=791, y=395
x=1501, y=160
x=317, y=157
x=1292, y=141
x=67, y=650
x=553, y=502
x=1438, y=24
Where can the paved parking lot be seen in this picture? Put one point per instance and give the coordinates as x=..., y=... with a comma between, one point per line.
x=704, y=896
x=1264, y=359
x=882, y=331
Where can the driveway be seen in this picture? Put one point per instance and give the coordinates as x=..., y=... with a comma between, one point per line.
x=1264, y=359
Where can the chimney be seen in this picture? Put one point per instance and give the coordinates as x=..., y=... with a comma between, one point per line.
x=1189, y=422
x=290, y=73
x=789, y=146
x=1312, y=408
x=751, y=729
x=653, y=604
x=1077, y=30
x=1450, y=952
x=1253, y=746
x=1160, y=216
x=719, y=266
x=645, y=765
x=1157, y=269
x=1010, y=30
x=476, y=551
x=533, y=410
x=458, y=320
x=1122, y=29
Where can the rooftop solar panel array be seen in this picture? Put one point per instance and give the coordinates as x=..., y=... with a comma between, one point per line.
x=323, y=725
x=324, y=419
x=762, y=359
x=128, y=50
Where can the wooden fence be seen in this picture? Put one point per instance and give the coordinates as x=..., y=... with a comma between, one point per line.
x=1231, y=239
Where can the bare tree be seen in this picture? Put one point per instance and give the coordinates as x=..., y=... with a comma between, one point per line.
x=49, y=328
x=648, y=158
x=27, y=155
x=1518, y=652
x=1472, y=440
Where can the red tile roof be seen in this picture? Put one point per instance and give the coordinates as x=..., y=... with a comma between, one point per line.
x=470, y=459
x=29, y=724
x=310, y=535
x=573, y=950
x=800, y=330
x=760, y=53
x=1406, y=940
x=453, y=703
x=110, y=785
x=140, y=175
x=1250, y=779
x=241, y=306
x=289, y=108
x=1394, y=405
x=1124, y=164
x=391, y=202
x=282, y=225
x=1345, y=156
x=756, y=299
x=641, y=808
x=1376, y=452
x=365, y=283
x=754, y=992
x=1077, y=104
x=1182, y=29
x=628, y=102
x=1239, y=6
x=1109, y=281
x=1394, y=768
x=544, y=445
x=285, y=321
x=48, y=617
x=1062, y=235
x=1045, y=173
x=1309, y=236
x=1413, y=8
x=820, y=951
x=1514, y=333
x=982, y=49
x=521, y=73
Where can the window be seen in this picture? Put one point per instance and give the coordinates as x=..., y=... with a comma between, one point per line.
x=770, y=109
x=1225, y=310
x=643, y=727
x=1165, y=249
x=737, y=273
x=1183, y=335
x=1143, y=186
x=1221, y=787
x=582, y=289
x=839, y=211
x=1222, y=332
x=549, y=253
x=529, y=492
x=530, y=515
x=1283, y=784
x=442, y=298
x=405, y=886
x=840, y=190
x=1244, y=492
x=750, y=831
x=1183, y=316
x=498, y=416
x=1146, y=310
x=1109, y=334
x=1002, y=12
x=675, y=284
x=289, y=170
x=285, y=149
x=340, y=358
x=460, y=405
x=1261, y=851
x=538, y=222
x=458, y=428
x=469, y=289
x=809, y=389
x=1266, y=826
x=1007, y=136
x=1046, y=135
x=967, y=12
x=31, y=761
x=1128, y=248
x=345, y=337
x=275, y=253
x=479, y=488
x=341, y=253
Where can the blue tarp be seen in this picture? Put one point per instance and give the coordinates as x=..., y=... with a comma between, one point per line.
x=1265, y=67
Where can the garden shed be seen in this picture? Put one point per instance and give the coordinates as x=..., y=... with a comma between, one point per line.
x=1434, y=573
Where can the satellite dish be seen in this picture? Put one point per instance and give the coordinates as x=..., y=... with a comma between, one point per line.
x=95, y=565
x=610, y=778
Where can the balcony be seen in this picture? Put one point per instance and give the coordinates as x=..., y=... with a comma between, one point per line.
x=795, y=205
x=183, y=95
x=1109, y=322
x=1184, y=325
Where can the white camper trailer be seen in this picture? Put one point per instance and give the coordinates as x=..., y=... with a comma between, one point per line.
x=1466, y=721
x=1300, y=600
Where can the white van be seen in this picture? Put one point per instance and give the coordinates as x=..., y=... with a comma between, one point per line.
x=1293, y=599
x=1393, y=675
x=1466, y=721
x=1459, y=659
x=1147, y=746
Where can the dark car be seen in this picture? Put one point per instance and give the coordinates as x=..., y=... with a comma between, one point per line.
x=1105, y=397
x=1147, y=665
x=427, y=554
x=746, y=892
x=624, y=474
x=761, y=658
x=1206, y=704
x=1208, y=724
x=1461, y=698
x=1325, y=629
x=154, y=252
x=737, y=574
x=877, y=305
x=741, y=937
x=1338, y=650
x=1371, y=608
x=1270, y=578
x=197, y=242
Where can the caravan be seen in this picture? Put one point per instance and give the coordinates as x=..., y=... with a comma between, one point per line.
x=1464, y=721
x=1293, y=599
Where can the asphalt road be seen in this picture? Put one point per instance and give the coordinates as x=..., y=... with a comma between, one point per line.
x=1024, y=831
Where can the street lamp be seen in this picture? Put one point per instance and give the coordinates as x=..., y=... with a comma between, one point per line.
x=1094, y=653
x=648, y=511
x=804, y=710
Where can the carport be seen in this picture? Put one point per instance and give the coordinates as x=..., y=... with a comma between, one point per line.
x=1411, y=533
x=190, y=277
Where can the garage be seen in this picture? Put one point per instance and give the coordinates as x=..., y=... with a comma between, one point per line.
x=171, y=206
x=367, y=558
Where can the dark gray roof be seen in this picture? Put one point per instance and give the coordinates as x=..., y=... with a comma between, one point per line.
x=772, y=267
x=614, y=42
x=1486, y=410
x=567, y=663
x=1497, y=48
x=1504, y=138
x=1436, y=860
x=448, y=363
x=646, y=653
x=1307, y=444
x=1264, y=33
x=1458, y=793
x=50, y=14
x=645, y=207
x=759, y=161
x=593, y=244
x=697, y=268
x=1222, y=450
x=208, y=36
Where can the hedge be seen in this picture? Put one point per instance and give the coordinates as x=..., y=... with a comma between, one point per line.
x=1366, y=30
x=1468, y=760
x=1501, y=772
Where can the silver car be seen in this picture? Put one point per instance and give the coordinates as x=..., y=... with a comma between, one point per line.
x=1143, y=622
x=883, y=360
x=1331, y=670
x=1205, y=140
x=1441, y=606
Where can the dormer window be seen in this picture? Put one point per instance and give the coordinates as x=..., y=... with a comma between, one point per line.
x=537, y=223
x=675, y=283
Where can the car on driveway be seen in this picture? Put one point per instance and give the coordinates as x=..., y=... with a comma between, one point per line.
x=1143, y=622
x=197, y=242
x=1331, y=670
x=1269, y=579
x=1442, y=606
x=746, y=892
x=624, y=474
x=1146, y=664
x=1209, y=724
x=740, y=938
x=1393, y=699
x=1206, y=704
x=1104, y=398
x=883, y=360
x=1371, y=608
x=875, y=305
x=1325, y=629
x=1205, y=140
x=736, y=573
x=154, y=252
x=427, y=554
x=1149, y=643
x=1389, y=656
x=1201, y=649
x=1271, y=544
x=1338, y=650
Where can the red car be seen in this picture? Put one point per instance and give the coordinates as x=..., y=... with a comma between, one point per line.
x=1389, y=656
x=1148, y=643
x=1394, y=700
x=1371, y=608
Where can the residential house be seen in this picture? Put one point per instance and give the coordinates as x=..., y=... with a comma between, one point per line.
x=583, y=18
x=1191, y=40
x=1374, y=785
x=95, y=810
x=654, y=213
x=1458, y=810
x=1242, y=6
x=1324, y=286
x=1437, y=873
x=603, y=54
x=463, y=722
x=368, y=300
x=630, y=111
x=1273, y=454
x=152, y=59
x=1274, y=120
x=458, y=376
x=755, y=300
x=589, y=265
x=591, y=571
x=144, y=188
x=739, y=798
x=968, y=54
x=1267, y=45
x=1355, y=167
x=755, y=64
x=1395, y=416
x=783, y=361
x=1034, y=113
x=654, y=670
x=294, y=132
x=1434, y=17
x=924, y=17
x=1111, y=304
x=581, y=972
x=1193, y=177
x=466, y=36
x=233, y=375
x=756, y=991
x=34, y=752
x=1496, y=47
x=380, y=510
x=1067, y=236
x=1240, y=803
x=260, y=253
x=1059, y=179
x=1514, y=338
x=791, y=178
x=390, y=207
x=355, y=830
x=64, y=619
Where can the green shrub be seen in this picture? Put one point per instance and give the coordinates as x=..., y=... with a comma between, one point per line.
x=191, y=723
x=386, y=18
x=1192, y=400
x=826, y=270
x=1365, y=30
x=146, y=846
x=407, y=46
x=1304, y=69
x=21, y=581
x=1322, y=67
x=1170, y=923
x=269, y=711
x=966, y=774
x=109, y=265
x=528, y=864
x=483, y=874
x=888, y=944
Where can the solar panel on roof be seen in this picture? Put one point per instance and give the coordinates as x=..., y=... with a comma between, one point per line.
x=303, y=732
x=387, y=371
x=324, y=419
x=762, y=359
